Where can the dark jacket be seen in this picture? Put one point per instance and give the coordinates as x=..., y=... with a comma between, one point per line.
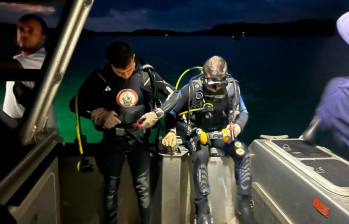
x=230, y=108
x=333, y=110
x=103, y=88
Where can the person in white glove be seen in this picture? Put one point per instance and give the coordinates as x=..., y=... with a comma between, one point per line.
x=170, y=140
x=105, y=119
x=149, y=119
x=115, y=98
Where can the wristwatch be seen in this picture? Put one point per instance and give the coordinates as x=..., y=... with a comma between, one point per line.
x=159, y=112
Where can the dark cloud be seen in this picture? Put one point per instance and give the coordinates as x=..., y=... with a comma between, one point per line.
x=100, y=8
x=49, y=10
x=188, y=15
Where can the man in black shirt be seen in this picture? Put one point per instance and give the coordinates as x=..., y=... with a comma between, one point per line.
x=115, y=98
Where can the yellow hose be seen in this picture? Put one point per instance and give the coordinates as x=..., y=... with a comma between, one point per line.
x=185, y=72
x=78, y=135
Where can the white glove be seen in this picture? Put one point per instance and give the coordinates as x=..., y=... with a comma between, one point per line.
x=235, y=128
x=170, y=140
x=104, y=118
x=149, y=119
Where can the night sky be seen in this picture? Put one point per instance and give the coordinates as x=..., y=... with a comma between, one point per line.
x=186, y=15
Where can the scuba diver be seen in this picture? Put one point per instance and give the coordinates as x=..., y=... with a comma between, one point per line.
x=115, y=97
x=209, y=104
x=330, y=124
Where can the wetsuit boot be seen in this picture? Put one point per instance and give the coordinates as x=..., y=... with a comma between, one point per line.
x=244, y=210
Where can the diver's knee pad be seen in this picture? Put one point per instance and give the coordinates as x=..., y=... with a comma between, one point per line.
x=244, y=176
x=200, y=160
x=202, y=180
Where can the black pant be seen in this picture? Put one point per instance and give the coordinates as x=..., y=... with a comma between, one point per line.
x=200, y=175
x=110, y=158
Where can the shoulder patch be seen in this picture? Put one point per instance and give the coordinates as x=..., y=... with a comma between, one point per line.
x=127, y=98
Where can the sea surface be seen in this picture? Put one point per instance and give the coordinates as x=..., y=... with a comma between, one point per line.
x=281, y=78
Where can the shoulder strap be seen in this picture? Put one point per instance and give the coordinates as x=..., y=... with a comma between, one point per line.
x=233, y=91
x=148, y=69
x=195, y=94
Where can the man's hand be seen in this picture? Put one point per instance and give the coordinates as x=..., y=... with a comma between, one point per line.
x=235, y=128
x=149, y=119
x=104, y=118
x=170, y=140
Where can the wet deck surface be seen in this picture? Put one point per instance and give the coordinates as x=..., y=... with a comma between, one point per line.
x=82, y=194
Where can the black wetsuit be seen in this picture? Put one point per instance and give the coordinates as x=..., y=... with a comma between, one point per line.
x=226, y=104
x=103, y=88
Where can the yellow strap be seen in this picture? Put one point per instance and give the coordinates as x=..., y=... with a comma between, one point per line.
x=78, y=134
x=206, y=105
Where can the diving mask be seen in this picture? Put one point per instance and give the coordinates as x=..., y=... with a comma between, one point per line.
x=215, y=83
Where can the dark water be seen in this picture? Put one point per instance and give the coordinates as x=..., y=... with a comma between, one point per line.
x=281, y=78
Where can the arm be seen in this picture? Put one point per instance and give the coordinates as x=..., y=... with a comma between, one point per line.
x=171, y=119
x=238, y=119
x=24, y=95
x=10, y=64
x=242, y=118
x=92, y=105
x=152, y=84
x=165, y=89
x=181, y=104
x=89, y=96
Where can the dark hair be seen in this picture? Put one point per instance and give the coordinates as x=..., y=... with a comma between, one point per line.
x=37, y=18
x=119, y=54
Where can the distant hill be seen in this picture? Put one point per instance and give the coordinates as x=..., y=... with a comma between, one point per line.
x=142, y=32
x=301, y=27
x=237, y=30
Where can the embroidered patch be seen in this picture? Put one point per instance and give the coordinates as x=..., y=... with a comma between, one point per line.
x=127, y=98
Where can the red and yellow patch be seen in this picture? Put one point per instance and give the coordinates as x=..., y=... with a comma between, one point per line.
x=127, y=98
